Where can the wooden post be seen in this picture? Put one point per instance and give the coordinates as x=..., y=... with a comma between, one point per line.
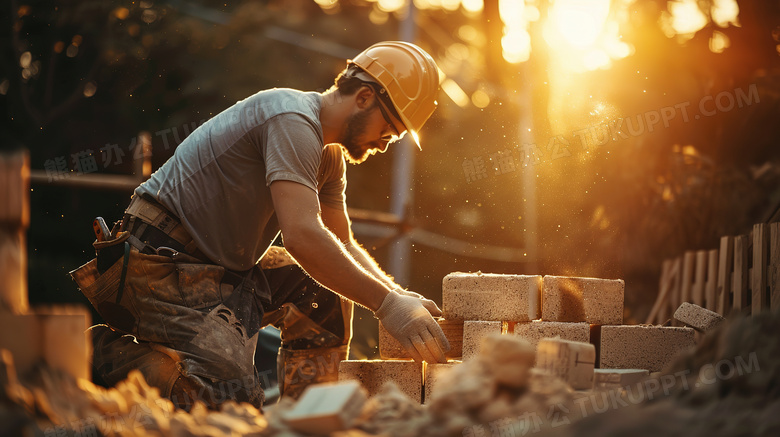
x=689, y=263
x=740, y=272
x=659, y=308
x=14, y=219
x=759, y=268
x=663, y=312
x=142, y=158
x=774, y=266
x=712, y=280
x=701, y=273
x=676, y=292
x=726, y=265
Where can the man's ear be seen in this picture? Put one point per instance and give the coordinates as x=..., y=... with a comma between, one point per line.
x=364, y=97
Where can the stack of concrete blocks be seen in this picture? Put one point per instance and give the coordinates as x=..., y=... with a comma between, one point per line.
x=563, y=317
x=475, y=305
x=599, y=304
x=56, y=335
x=486, y=301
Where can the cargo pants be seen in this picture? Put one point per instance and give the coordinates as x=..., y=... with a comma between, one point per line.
x=191, y=328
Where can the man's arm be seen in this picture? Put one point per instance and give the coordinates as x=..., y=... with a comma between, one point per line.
x=324, y=258
x=337, y=220
x=317, y=250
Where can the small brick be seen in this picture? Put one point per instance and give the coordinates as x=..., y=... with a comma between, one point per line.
x=698, y=318
x=592, y=300
x=473, y=333
x=433, y=373
x=390, y=348
x=327, y=408
x=508, y=358
x=616, y=378
x=572, y=361
x=490, y=297
x=642, y=346
x=373, y=374
x=536, y=330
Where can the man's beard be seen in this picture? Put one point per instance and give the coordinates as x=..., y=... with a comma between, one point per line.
x=356, y=127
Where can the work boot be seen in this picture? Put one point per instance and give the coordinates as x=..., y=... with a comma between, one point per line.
x=299, y=368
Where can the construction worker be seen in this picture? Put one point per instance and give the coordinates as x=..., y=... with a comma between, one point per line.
x=189, y=276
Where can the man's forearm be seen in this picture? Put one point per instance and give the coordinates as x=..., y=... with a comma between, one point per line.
x=367, y=262
x=334, y=266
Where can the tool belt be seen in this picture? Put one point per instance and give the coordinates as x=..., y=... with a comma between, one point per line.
x=152, y=227
x=155, y=259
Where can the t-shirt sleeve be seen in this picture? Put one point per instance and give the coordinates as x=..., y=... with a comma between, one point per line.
x=292, y=150
x=333, y=174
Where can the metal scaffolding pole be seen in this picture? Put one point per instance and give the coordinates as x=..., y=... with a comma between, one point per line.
x=402, y=195
x=526, y=136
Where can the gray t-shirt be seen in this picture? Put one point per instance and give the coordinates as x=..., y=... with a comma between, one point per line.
x=217, y=181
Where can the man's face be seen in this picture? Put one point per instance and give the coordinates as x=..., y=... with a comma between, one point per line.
x=367, y=132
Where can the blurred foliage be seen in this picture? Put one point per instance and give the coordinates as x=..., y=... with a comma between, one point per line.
x=78, y=75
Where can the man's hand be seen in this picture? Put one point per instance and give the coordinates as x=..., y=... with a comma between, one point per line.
x=410, y=322
x=427, y=303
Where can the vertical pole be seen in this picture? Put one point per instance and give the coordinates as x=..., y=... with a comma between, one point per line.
x=14, y=219
x=724, y=275
x=774, y=266
x=401, y=196
x=658, y=312
x=759, y=268
x=740, y=272
x=529, y=222
x=689, y=262
x=712, y=280
x=676, y=292
x=701, y=272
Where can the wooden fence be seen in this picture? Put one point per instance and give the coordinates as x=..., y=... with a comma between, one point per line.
x=742, y=275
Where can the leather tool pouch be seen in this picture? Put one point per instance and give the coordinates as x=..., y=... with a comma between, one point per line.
x=102, y=288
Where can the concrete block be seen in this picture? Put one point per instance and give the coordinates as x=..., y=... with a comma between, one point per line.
x=327, y=408
x=57, y=336
x=536, y=330
x=490, y=297
x=572, y=361
x=616, y=378
x=373, y=374
x=433, y=373
x=473, y=333
x=698, y=318
x=592, y=300
x=390, y=348
x=642, y=346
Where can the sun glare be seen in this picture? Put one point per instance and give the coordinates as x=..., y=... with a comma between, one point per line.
x=686, y=17
x=516, y=42
x=584, y=35
x=579, y=22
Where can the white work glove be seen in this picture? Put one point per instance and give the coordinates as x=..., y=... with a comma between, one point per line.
x=407, y=319
x=427, y=303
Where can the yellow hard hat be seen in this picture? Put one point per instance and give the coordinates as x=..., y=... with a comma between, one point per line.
x=410, y=77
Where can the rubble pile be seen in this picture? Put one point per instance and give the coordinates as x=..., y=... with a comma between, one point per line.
x=51, y=403
x=728, y=385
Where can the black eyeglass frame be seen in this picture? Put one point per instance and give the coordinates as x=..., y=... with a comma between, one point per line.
x=384, y=108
